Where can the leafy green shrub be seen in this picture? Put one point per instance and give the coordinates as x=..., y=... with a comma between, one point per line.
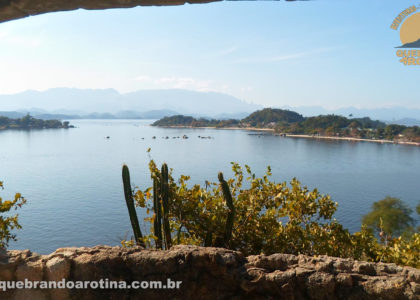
x=389, y=217
x=10, y=222
x=269, y=218
x=402, y=251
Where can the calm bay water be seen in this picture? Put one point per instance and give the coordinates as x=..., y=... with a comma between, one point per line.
x=72, y=178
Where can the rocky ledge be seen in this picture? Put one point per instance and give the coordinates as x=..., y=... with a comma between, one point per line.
x=16, y=9
x=206, y=273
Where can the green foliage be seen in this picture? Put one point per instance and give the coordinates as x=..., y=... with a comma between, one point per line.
x=285, y=121
x=324, y=122
x=411, y=133
x=265, y=116
x=389, y=217
x=365, y=244
x=9, y=222
x=402, y=251
x=187, y=121
x=393, y=130
x=268, y=217
x=29, y=122
x=178, y=120
x=367, y=123
x=260, y=118
x=332, y=125
x=256, y=215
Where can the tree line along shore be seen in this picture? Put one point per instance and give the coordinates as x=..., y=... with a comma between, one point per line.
x=290, y=123
x=29, y=122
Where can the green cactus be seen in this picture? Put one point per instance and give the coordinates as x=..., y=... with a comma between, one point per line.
x=157, y=207
x=208, y=239
x=231, y=214
x=130, y=205
x=164, y=190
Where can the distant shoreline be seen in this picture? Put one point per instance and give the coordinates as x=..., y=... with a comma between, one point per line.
x=33, y=128
x=306, y=136
x=351, y=139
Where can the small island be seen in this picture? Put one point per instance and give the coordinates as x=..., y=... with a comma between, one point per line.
x=292, y=124
x=29, y=122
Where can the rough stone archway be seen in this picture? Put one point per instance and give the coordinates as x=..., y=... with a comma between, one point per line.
x=16, y=9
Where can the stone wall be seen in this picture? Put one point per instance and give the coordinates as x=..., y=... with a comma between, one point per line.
x=207, y=273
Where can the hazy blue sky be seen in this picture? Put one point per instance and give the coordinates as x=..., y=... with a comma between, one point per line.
x=332, y=53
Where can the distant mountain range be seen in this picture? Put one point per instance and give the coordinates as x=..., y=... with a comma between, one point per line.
x=154, y=114
x=144, y=103
x=71, y=103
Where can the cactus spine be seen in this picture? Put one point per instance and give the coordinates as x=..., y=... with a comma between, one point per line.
x=130, y=205
x=164, y=191
x=231, y=214
x=157, y=207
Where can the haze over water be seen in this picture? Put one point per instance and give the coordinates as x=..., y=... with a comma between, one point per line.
x=72, y=178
